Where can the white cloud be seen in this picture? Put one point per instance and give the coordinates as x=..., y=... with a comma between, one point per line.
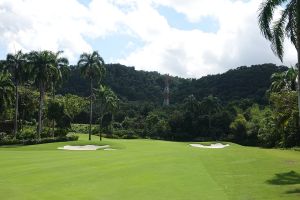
x=66, y=25
x=195, y=53
x=40, y=24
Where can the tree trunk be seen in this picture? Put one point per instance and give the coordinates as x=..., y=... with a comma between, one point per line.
x=298, y=88
x=40, y=123
x=298, y=53
x=16, y=112
x=211, y=134
x=209, y=121
x=102, y=110
x=91, y=110
x=22, y=120
x=100, y=122
x=53, y=97
x=23, y=110
x=100, y=134
x=52, y=131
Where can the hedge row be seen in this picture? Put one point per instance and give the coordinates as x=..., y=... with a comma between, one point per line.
x=7, y=141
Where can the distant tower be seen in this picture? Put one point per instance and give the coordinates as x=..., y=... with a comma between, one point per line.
x=167, y=91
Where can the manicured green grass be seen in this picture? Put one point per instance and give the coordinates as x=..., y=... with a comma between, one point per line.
x=147, y=169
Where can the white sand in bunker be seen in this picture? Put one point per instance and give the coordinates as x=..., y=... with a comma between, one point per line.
x=85, y=148
x=212, y=146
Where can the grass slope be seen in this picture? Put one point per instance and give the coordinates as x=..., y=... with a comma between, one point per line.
x=147, y=169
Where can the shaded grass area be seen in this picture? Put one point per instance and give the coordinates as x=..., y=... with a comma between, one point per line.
x=147, y=169
x=83, y=140
x=287, y=178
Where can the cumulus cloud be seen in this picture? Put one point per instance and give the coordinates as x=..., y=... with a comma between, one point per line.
x=196, y=53
x=39, y=24
x=73, y=27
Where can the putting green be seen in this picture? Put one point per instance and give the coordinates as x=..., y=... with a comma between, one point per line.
x=148, y=169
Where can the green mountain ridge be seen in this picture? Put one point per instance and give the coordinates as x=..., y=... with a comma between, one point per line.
x=133, y=85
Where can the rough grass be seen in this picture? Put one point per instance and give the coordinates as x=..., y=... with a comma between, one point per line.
x=148, y=169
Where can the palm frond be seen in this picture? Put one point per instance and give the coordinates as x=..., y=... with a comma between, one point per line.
x=91, y=66
x=277, y=40
x=265, y=16
x=291, y=26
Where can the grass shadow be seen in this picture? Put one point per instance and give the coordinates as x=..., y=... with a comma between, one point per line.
x=12, y=146
x=295, y=191
x=288, y=178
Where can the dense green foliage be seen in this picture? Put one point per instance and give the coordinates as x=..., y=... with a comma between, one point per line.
x=276, y=28
x=241, y=105
x=132, y=85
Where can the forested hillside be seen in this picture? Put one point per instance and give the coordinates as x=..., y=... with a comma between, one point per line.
x=132, y=85
x=232, y=106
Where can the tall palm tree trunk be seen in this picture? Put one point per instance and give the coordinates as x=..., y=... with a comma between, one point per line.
x=100, y=131
x=16, y=111
x=209, y=121
x=298, y=86
x=52, y=123
x=209, y=124
x=40, y=123
x=91, y=110
x=298, y=53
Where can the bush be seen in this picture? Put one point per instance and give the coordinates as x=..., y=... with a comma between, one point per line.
x=83, y=128
x=10, y=141
x=26, y=135
x=73, y=137
x=2, y=135
x=238, y=129
x=124, y=134
x=61, y=132
x=32, y=122
x=7, y=126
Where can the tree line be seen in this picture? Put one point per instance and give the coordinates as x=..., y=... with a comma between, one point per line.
x=211, y=108
x=23, y=74
x=31, y=86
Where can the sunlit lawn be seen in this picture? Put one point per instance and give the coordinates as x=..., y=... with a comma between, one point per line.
x=148, y=169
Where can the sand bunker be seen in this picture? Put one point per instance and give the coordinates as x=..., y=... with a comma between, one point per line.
x=108, y=149
x=85, y=147
x=212, y=146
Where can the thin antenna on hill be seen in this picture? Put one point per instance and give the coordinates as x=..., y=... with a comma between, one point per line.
x=167, y=91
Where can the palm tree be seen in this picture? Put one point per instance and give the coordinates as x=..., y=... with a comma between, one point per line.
x=6, y=90
x=59, y=71
x=291, y=78
x=62, y=69
x=92, y=68
x=278, y=82
x=284, y=81
x=43, y=67
x=16, y=63
x=108, y=102
x=210, y=105
x=191, y=104
x=288, y=25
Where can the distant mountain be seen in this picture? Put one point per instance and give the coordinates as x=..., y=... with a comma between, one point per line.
x=132, y=85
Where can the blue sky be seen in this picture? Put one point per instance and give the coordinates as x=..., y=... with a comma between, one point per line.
x=112, y=46
x=187, y=38
x=178, y=20
x=116, y=45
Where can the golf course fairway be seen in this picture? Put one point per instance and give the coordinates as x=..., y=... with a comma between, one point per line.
x=147, y=170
